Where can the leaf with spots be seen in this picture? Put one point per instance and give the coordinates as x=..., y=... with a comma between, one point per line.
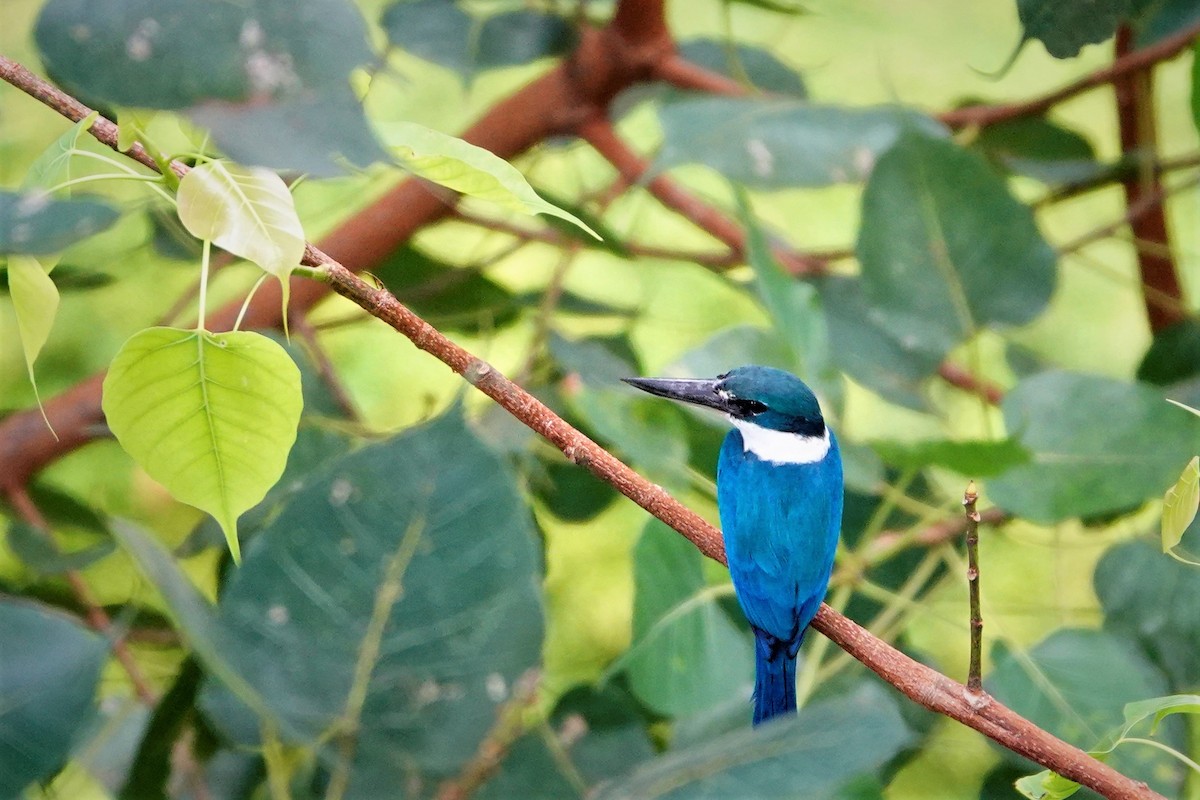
x=33, y=223
x=395, y=596
x=210, y=416
x=946, y=250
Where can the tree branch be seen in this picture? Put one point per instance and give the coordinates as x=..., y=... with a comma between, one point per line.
x=1136, y=61
x=1134, y=94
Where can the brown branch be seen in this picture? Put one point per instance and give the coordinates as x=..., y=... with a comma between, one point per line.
x=962, y=379
x=683, y=74
x=1134, y=94
x=1136, y=61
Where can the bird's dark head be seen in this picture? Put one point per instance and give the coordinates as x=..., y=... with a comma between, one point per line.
x=768, y=397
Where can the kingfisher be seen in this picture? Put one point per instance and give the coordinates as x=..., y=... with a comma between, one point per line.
x=779, y=493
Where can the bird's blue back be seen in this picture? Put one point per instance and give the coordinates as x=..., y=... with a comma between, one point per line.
x=781, y=524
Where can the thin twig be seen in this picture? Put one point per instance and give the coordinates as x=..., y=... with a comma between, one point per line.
x=1136, y=61
x=974, y=679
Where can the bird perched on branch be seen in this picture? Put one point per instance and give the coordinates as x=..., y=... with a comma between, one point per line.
x=779, y=490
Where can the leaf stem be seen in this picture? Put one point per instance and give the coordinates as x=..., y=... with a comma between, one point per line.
x=205, y=252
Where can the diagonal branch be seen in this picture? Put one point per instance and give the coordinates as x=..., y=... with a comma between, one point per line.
x=919, y=682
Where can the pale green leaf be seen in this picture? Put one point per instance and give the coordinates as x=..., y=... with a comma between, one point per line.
x=1046, y=785
x=210, y=416
x=53, y=166
x=246, y=210
x=465, y=168
x=1160, y=708
x=133, y=125
x=35, y=301
x=1180, y=505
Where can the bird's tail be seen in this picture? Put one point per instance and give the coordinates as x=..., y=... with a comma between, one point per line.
x=774, y=677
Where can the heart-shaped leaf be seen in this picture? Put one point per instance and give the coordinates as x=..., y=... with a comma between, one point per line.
x=210, y=416
x=1180, y=504
x=246, y=210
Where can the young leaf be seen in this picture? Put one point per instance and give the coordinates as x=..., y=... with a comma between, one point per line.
x=246, y=210
x=53, y=166
x=1180, y=504
x=468, y=169
x=35, y=301
x=210, y=416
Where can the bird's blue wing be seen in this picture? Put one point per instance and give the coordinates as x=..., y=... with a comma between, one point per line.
x=781, y=525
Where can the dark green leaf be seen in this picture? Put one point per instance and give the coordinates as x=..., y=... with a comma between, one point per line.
x=572, y=493
x=441, y=32
x=43, y=555
x=175, y=54
x=1096, y=445
x=1153, y=598
x=1174, y=355
x=864, y=344
x=794, y=757
x=1065, y=27
x=687, y=654
x=435, y=30
x=35, y=223
x=69, y=278
x=1196, y=84
x=1041, y=149
x=314, y=133
x=973, y=459
x=1075, y=684
x=425, y=532
x=152, y=767
x=761, y=68
x=608, y=734
x=1158, y=19
x=945, y=249
x=774, y=144
x=49, y=670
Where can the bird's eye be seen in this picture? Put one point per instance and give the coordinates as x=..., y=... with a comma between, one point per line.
x=746, y=408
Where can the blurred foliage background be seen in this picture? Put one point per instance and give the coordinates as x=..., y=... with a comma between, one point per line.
x=853, y=192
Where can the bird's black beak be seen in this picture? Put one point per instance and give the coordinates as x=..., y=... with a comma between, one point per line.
x=696, y=391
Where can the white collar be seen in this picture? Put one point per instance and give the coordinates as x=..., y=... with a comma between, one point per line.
x=781, y=447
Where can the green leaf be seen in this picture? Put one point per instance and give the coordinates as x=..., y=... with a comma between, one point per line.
x=245, y=210
x=49, y=672
x=972, y=459
x=687, y=654
x=194, y=617
x=34, y=224
x=313, y=133
x=441, y=32
x=1064, y=28
x=1046, y=785
x=794, y=307
x=210, y=416
x=405, y=575
x=608, y=734
x=1153, y=598
x=1160, y=708
x=465, y=168
x=945, y=249
x=1180, y=505
x=1173, y=356
x=762, y=69
x=53, y=167
x=732, y=347
x=173, y=54
x=774, y=144
x=35, y=302
x=1075, y=684
x=795, y=757
x=41, y=554
x=871, y=350
x=1097, y=445
x=1041, y=149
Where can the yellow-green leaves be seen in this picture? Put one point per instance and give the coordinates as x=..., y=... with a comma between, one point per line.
x=468, y=169
x=1180, y=505
x=246, y=210
x=210, y=416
